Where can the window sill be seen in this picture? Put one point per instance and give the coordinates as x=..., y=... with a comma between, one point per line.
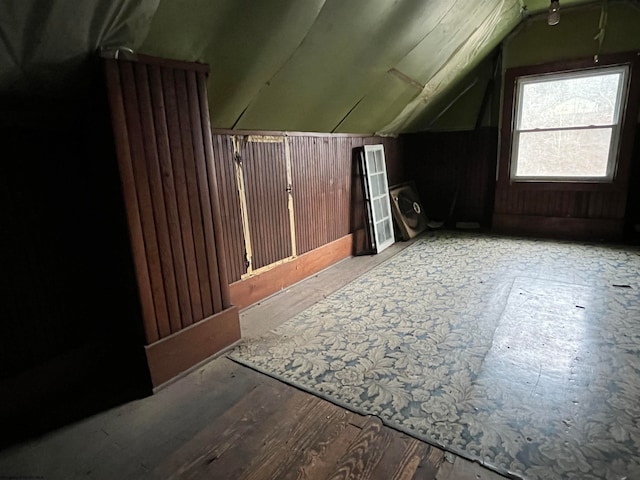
x=568, y=185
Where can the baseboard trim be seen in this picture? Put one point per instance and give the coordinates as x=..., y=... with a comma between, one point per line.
x=253, y=289
x=559, y=227
x=177, y=353
x=195, y=367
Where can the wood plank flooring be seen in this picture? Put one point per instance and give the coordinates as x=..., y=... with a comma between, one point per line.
x=225, y=421
x=276, y=309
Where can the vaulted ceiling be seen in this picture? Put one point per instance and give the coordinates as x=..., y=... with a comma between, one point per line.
x=312, y=65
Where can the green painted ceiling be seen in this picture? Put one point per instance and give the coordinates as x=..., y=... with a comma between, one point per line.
x=311, y=65
x=329, y=65
x=45, y=45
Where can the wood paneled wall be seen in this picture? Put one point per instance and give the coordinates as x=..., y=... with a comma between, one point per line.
x=633, y=200
x=559, y=203
x=223, y=153
x=322, y=181
x=165, y=156
x=567, y=209
x=320, y=184
x=454, y=169
x=265, y=176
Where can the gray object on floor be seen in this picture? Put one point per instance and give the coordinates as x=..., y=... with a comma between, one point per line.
x=407, y=210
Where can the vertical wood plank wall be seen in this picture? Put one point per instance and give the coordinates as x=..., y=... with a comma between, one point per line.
x=444, y=162
x=633, y=201
x=454, y=166
x=265, y=175
x=163, y=140
x=321, y=186
x=230, y=205
x=322, y=190
x=571, y=204
x=571, y=209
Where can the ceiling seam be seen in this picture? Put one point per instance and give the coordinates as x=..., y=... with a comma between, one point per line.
x=408, y=114
x=399, y=74
x=281, y=67
x=347, y=114
x=437, y=24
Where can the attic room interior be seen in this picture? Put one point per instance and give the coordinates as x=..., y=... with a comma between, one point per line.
x=194, y=285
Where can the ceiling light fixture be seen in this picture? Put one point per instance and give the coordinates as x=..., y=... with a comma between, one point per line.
x=554, y=13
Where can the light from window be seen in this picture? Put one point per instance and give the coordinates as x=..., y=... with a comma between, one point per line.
x=567, y=125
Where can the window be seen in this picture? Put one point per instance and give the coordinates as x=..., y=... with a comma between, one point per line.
x=377, y=195
x=567, y=125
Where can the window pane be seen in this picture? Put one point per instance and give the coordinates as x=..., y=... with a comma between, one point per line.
x=375, y=190
x=379, y=162
x=381, y=185
x=570, y=102
x=385, y=207
x=387, y=230
x=384, y=231
x=371, y=164
x=564, y=153
x=380, y=230
x=377, y=210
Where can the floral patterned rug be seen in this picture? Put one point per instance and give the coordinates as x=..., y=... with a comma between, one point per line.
x=521, y=354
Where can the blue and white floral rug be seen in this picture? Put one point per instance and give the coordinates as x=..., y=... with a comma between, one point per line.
x=521, y=354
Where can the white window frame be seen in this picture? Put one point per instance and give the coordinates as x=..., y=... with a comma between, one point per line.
x=616, y=127
x=384, y=219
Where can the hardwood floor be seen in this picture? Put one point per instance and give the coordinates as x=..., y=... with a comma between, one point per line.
x=272, y=311
x=225, y=421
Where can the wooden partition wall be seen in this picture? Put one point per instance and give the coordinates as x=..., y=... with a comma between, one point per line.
x=163, y=140
x=287, y=204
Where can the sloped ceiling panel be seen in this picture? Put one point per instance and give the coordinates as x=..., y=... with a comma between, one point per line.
x=356, y=66
x=314, y=65
x=246, y=43
x=332, y=65
x=44, y=46
x=350, y=46
x=454, y=48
